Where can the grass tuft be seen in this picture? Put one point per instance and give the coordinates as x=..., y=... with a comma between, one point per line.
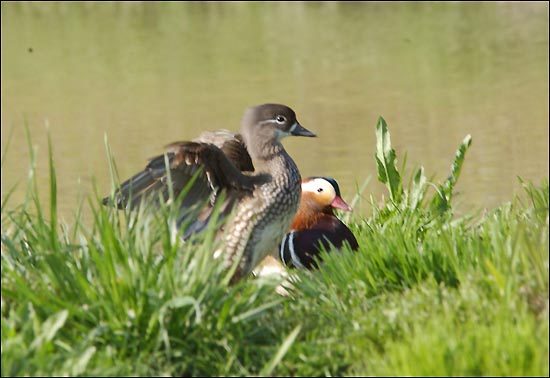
x=426, y=294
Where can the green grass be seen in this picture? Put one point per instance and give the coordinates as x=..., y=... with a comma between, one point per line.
x=427, y=293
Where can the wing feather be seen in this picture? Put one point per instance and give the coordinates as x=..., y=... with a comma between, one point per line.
x=197, y=171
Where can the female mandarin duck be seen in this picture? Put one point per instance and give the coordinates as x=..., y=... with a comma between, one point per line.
x=262, y=202
x=315, y=226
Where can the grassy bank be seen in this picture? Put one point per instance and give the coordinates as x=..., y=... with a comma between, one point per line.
x=427, y=293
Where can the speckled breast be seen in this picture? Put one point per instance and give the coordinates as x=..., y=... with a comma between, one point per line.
x=262, y=221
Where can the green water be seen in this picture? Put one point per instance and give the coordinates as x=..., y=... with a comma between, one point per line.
x=147, y=74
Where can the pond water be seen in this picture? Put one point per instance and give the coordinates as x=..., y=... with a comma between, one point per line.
x=142, y=75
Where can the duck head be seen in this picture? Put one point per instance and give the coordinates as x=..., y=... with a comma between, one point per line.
x=264, y=126
x=320, y=196
x=324, y=193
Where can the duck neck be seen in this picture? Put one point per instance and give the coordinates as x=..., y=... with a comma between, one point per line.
x=266, y=152
x=309, y=214
x=272, y=158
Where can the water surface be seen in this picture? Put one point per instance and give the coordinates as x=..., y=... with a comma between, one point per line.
x=146, y=74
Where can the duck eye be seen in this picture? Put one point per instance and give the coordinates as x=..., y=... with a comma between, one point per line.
x=280, y=119
x=319, y=190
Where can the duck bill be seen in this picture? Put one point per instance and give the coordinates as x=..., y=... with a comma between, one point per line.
x=299, y=130
x=339, y=203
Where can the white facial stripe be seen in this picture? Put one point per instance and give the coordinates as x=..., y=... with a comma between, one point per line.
x=318, y=183
x=282, y=249
x=293, y=256
x=311, y=186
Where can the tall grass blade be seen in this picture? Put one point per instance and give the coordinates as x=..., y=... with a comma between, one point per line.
x=49, y=329
x=3, y=159
x=268, y=369
x=441, y=202
x=356, y=198
x=386, y=160
x=418, y=189
x=53, y=197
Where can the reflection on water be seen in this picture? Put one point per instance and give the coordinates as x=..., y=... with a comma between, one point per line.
x=146, y=74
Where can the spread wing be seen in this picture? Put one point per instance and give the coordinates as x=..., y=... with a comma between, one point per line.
x=198, y=171
x=232, y=146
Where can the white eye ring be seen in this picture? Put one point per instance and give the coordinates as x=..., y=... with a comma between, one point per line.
x=280, y=119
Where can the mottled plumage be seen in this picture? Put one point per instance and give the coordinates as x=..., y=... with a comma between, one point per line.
x=261, y=199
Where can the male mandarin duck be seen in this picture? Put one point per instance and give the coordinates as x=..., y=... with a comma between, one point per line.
x=262, y=201
x=315, y=226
